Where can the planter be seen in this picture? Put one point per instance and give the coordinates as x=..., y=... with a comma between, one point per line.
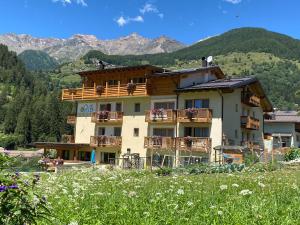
x=190, y=113
x=188, y=141
x=99, y=89
x=131, y=88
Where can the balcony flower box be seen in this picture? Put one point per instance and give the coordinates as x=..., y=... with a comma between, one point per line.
x=157, y=113
x=131, y=88
x=188, y=141
x=103, y=115
x=99, y=89
x=190, y=113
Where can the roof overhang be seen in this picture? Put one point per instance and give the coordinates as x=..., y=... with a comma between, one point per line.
x=60, y=146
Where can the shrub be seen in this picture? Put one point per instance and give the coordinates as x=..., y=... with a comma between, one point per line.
x=292, y=154
x=8, y=141
x=164, y=171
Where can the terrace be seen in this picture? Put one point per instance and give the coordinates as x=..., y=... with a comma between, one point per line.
x=250, y=123
x=194, y=115
x=160, y=116
x=107, y=117
x=159, y=142
x=199, y=144
x=250, y=99
x=106, y=141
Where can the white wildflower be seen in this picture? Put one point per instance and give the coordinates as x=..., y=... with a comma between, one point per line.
x=158, y=194
x=96, y=178
x=189, y=203
x=131, y=194
x=223, y=187
x=235, y=185
x=212, y=207
x=64, y=191
x=246, y=192
x=146, y=214
x=294, y=186
x=180, y=192
x=220, y=213
x=261, y=184
x=73, y=223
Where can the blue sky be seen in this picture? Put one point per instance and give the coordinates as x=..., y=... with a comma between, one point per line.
x=187, y=21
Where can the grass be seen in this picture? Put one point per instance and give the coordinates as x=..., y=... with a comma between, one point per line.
x=120, y=197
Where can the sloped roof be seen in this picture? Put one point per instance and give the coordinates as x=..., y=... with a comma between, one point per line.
x=216, y=69
x=284, y=116
x=221, y=83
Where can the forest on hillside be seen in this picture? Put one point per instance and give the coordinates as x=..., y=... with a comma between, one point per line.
x=30, y=106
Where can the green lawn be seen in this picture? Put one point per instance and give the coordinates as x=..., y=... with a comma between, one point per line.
x=120, y=197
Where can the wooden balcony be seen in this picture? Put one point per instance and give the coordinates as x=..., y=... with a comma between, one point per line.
x=107, y=117
x=161, y=116
x=69, y=139
x=251, y=144
x=194, y=115
x=157, y=142
x=198, y=144
x=71, y=119
x=250, y=123
x=250, y=99
x=106, y=141
x=102, y=92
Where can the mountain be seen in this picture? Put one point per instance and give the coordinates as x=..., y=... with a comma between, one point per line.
x=79, y=44
x=38, y=60
x=242, y=40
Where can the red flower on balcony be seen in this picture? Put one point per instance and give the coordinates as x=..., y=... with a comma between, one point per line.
x=188, y=141
x=99, y=89
x=131, y=88
x=157, y=113
x=103, y=115
x=190, y=113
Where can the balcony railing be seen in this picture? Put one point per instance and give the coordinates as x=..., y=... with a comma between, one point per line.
x=107, y=91
x=194, y=115
x=249, y=122
x=161, y=115
x=251, y=144
x=250, y=99
x=71, y=119
x=159, y=142
x=106, y=141
x=200, y=144
x=107, y=117
x=69, y=139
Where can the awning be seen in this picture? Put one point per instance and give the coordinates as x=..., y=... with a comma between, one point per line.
x=281, y=135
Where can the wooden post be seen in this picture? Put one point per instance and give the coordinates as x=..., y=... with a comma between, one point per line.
x=95, y=89
x=106, y=89
x=146, y=91
x=119, y=84
x=82, y=91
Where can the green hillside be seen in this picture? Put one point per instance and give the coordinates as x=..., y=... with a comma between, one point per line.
x=241, y=40
x=38, y=60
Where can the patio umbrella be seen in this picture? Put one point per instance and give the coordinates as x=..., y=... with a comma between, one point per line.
x=93, y=156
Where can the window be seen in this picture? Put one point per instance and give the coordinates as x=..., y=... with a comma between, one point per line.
x=163, y=132
x=137, y=80
x=117, y=131
x=113, y=82
x=196, y=131
x=137, y=107
x=197, y=103
x=164, y=105
x=101, y=131
x=119, y=107
x=108, y=157
x=104, y=107
x=136, y=132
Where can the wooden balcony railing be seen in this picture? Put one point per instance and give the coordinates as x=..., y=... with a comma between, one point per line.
x=161, y=115
x=69, y=139
x=200, y=144
x=87, y=93
x=71, y=119
x=106, y=141
x=251, y=144
x=107, y=117
x=250, y=99
x=249, y=122
x=159, y=142
x=194, y=115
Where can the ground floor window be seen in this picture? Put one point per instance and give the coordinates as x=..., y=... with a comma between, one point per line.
x=189, y=160
x=196, y=131
x=281, y=142
x=66, y=154
x=162, y=160
x=107, y=157
x=163, y=132
x=84, y=156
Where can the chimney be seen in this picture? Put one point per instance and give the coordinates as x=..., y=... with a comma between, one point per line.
x=204, y=62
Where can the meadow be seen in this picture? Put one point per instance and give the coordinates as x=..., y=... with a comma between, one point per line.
x=90, y=196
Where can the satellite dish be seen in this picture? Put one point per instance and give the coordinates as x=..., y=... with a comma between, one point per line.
x=209, y=59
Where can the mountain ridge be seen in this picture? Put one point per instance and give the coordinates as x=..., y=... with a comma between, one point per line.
x=68, y=49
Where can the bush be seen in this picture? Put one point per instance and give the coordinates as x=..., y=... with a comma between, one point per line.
x=164, y=171
x=8, y=141
x=292, y=154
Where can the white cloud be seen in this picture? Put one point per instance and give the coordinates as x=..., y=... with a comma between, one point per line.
x=121, y=21
x=233, y=1
x=66, y=2
x=149, y=8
